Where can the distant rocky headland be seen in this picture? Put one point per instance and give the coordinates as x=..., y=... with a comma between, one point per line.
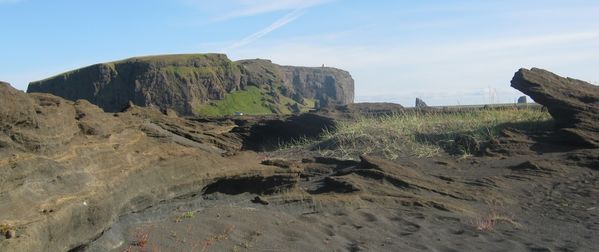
x=202, y=84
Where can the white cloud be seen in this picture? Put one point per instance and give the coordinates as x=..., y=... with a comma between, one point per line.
x=312, y=52
x=444, y=73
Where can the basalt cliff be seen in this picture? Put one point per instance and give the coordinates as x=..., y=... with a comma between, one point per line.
x=202, y=84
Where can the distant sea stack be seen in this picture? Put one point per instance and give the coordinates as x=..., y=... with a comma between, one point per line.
x=193, y=84
x=522, y=100
x=420, y=103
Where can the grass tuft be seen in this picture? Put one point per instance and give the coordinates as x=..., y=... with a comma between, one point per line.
x=423, y=134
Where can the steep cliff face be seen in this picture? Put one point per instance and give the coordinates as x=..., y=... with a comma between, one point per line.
x=196, y=83
x=174, y=81
x=330, y=86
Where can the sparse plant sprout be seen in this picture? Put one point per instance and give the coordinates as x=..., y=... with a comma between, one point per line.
x=485, y=224
x=186, y=215
x=497, y=215
x=140, y=240
x=5, y=228
x=210, y=241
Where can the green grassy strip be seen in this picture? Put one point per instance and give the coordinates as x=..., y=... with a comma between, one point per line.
x=247, y=101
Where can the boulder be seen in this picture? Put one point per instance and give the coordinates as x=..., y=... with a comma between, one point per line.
x=573, y=104
x=15, y=107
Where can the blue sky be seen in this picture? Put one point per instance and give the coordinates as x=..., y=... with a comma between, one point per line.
x=446, y=52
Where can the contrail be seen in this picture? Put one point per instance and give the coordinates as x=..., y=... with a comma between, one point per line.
x=290, y=17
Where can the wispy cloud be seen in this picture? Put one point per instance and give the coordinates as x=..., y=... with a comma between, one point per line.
x=232, y=9
x=272, y=27
x=246, y=8
x=256, y=7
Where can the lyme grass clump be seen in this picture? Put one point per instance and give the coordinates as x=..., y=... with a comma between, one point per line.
x=415, y=133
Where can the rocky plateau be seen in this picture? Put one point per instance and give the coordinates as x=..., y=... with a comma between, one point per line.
x=184, y=83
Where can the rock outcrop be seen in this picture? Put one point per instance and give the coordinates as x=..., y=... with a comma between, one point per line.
x=68, y=170
x=330, y=86
x=574, y=104
x=185, y=82
x=420, y=103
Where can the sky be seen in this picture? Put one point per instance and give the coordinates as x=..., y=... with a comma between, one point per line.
x=446, y=52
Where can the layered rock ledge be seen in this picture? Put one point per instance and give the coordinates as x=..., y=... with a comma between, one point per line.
x=574, y=104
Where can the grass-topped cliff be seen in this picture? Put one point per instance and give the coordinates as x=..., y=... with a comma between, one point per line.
x=202, y=84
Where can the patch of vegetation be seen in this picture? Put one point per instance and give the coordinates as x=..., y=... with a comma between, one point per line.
x=423, y=135
x=247, y=101
x=186, y=215
x=7, y=230
x=215, y=238
x=251, y=101
x=175, y=58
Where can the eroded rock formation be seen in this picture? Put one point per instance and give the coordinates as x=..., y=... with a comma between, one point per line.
x=68, y=169
x=574, y=104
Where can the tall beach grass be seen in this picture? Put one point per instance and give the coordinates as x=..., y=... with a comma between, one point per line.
x=420, y=134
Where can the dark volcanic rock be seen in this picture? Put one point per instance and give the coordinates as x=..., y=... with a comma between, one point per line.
x=183, y=82
x=574, y=104
x=327, y=85
x=15, y=107
x=522, y=99
x=364, y=109
x=68, y=170
x=177, y=82
x=420, y=103
x=330, y=86
x=269, y=134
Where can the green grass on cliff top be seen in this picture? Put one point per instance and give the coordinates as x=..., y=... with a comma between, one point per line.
x=247, y=101
x=175, y=58
x=165, y=59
